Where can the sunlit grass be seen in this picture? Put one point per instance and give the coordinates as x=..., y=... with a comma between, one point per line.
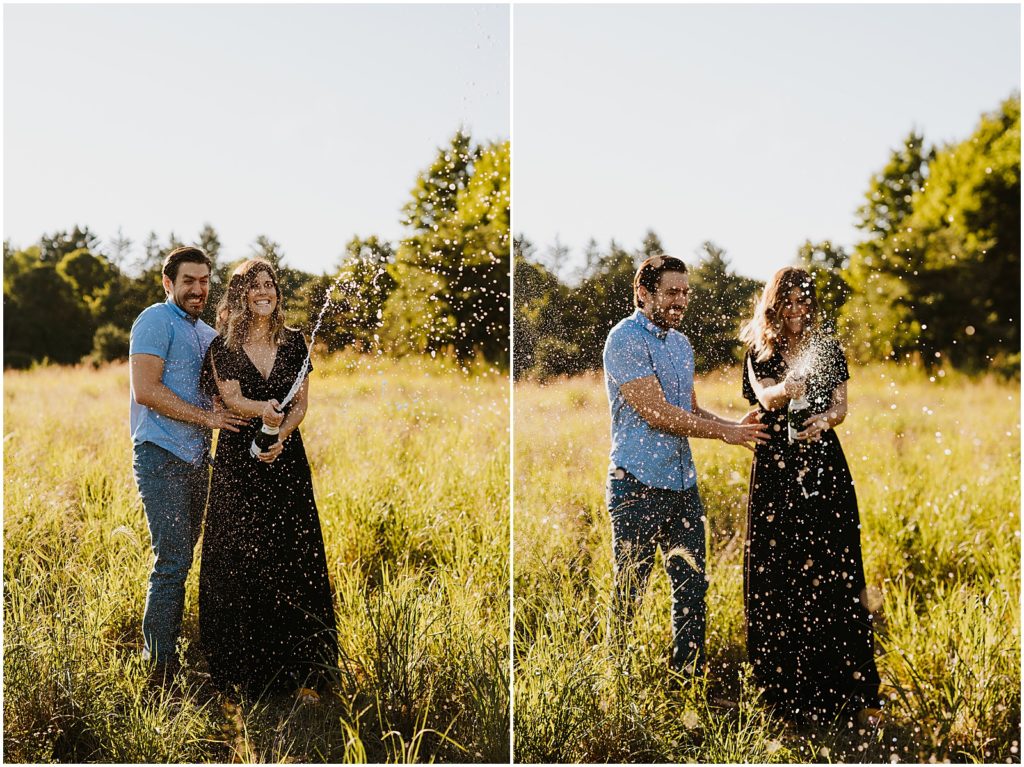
x=937, y=470
x=410, y=468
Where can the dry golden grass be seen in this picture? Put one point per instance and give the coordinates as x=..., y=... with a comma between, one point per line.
x=936, y=466
x=410, y=467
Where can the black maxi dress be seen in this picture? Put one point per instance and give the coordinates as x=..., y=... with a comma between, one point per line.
x=809, y=633
x=266, y=614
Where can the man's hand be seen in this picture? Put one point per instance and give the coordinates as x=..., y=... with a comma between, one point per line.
x=222, y=418
x=271, y=453
x=745, y=434
x=271, y=415
x=815, y=426
x=753, y=416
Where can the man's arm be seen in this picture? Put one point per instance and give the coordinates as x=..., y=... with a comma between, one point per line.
x=646, y=397
x=146, y=377
x=750, y=417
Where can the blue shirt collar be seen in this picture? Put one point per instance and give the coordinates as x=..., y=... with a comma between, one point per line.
x=650, y=327
x=181, y=312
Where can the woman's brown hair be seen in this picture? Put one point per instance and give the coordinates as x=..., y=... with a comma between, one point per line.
x=763, y=333
x=233, y=315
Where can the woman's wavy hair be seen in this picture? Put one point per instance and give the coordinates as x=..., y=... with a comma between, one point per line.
x=233, y=315
x=763, y=332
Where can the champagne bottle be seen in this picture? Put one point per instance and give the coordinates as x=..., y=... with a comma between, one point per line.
x=264, y=438
x=798, y=412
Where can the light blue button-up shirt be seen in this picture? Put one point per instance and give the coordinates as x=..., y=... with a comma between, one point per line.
x=167, y=331
x=637, y=348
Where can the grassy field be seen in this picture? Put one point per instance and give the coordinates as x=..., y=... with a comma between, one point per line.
x=410, y=467
x=937, y=469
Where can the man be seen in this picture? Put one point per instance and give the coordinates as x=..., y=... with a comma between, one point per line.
x=652, y=491
x=171, y=422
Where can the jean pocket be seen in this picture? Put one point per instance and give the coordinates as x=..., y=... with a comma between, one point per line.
x=152, y=460
x=623, y=491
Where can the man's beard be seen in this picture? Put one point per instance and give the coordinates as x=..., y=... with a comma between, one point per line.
x=185, y=305
x=663, y=319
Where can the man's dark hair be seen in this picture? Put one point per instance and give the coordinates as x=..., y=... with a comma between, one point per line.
x=649, y=274
x=187, y=254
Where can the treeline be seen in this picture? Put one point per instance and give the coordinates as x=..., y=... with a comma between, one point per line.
x=935, y=280
x=443, y=289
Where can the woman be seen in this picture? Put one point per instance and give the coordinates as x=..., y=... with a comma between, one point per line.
x=266, y=616
x=809, y=634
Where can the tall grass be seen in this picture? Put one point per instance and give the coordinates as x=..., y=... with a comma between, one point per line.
x=936, y=465
x=409, y=464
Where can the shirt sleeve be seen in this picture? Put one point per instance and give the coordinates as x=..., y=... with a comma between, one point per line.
x=626, y=358
x=225, y=361
x=207, y=382
x=748, y=389
x=770, y=368
x=151, y=334
x=840, y=370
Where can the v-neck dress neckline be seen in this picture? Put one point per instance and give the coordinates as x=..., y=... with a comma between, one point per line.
x=266, y=378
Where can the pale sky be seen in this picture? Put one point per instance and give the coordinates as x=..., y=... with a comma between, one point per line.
x=305, y=123
x=756, y=127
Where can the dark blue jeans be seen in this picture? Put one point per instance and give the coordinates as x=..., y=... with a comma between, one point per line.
x=643, y=520
x=174, y=496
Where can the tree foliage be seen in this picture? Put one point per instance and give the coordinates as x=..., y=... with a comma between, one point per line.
x=936, y=277
x=828, y=266
x=452, y=270
x=560, y=329
x=876, y=267
x=940, y=270
x=720, y=300
x=443, y=289
x=44, y=319
x=360, y=290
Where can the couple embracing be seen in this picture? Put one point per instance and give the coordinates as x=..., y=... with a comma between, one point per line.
x=266, y=614
x=809, y=633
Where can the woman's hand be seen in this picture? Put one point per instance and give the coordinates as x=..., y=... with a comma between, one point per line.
x=814, y=427
x=271, y=415
x=271, y=453
x=795, y=386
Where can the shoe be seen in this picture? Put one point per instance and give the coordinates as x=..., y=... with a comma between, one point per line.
x=869, y=717
x=233, y=730
x=306, y=696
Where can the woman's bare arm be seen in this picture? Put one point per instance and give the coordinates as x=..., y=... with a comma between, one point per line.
x=772, y=395
x=835, y=415
x=231, y=393
x=296, y=413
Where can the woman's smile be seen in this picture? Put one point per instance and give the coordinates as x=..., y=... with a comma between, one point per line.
x=795, y=311
x=263, y=296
